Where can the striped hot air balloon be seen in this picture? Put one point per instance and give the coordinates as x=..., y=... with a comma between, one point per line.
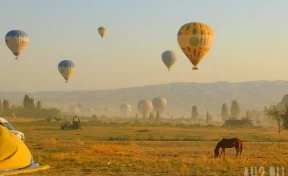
x=66, y=69
x=17, y=41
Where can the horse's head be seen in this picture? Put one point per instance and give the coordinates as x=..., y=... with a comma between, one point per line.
x=216, y=152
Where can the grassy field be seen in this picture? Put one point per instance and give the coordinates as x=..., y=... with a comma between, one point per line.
x=123, y=149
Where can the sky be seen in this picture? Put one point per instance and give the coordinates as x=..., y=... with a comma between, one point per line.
x=249, y=44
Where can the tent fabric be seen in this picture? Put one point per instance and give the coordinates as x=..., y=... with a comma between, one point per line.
x=15, y=157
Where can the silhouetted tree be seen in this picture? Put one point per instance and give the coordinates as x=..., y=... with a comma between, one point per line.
x=208, y=117
x=275, y=114
x=194, y=114
x=224, y=112
x=26, y=101
x=32, y=103
x=235, y=110
x=6, y=107
x=1, y=109
x=39, y=106
x=285, y=117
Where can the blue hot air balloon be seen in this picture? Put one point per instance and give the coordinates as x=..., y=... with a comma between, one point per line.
x=66, y=69
x=17, y=41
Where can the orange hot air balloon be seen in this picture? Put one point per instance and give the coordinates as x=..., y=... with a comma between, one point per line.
x=195, y=39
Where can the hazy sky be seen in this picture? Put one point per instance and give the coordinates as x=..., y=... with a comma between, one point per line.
x=250, y=42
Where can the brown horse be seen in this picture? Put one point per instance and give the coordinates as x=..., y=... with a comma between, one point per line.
x=228, y=143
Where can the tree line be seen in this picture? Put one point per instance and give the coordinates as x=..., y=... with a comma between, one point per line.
x=30, y=108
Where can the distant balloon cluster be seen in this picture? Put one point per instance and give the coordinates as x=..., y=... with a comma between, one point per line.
x=195, y=39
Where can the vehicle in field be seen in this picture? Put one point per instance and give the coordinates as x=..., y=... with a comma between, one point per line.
x=75, y=124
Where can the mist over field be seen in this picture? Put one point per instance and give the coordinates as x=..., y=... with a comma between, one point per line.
x=180, y=96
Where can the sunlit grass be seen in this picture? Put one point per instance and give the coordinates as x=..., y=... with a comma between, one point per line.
x=96, y=150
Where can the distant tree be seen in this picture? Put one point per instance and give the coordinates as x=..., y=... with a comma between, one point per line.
x=235, y=110
x=39, y=106
x=208, y=117
x=32, y=103
x=275, y=114
x=26, y=102
x=285, y=117
x=194, y=114
x=1, y=109
x=248, y=115
x=6, y=107
x=224, y=112
x=6, y=104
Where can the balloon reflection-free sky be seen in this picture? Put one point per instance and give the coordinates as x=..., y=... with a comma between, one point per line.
x=250, y=42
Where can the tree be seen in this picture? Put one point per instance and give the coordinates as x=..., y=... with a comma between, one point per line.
x=275, y=114
x=39, y=106
x=285, y=117
x=32, y=103
x=6, y=107
x=1, y=109
x=235, y=110
x=258, y=117
x=224, y=112
x=26, y=102
x=208, y=117
x=194, y=114
x=248, y=115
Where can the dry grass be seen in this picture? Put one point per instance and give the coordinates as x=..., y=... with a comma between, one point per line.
x=90, y=152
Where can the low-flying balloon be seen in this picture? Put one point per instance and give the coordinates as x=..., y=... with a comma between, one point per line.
x=125, y=109
x=145, y=107
x=159, y=104
x=16, y=41
x=102, y=31
x=169, y=58
x=195, y=39
x=66, y=69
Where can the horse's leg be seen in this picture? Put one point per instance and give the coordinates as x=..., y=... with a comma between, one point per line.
x=224, y=152
x=221, y=153
x=236, y=151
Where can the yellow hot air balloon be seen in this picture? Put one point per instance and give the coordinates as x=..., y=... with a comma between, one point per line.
x=102, y=31
x=195, y=40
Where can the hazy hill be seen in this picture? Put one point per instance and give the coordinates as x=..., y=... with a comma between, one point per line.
x=180, y=96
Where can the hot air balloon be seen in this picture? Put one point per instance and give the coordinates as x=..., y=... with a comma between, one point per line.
x=125, y=109
x=145, y=107
x=159, y=104
x=66, y=68
x=195, y=39
x=102, y=31
x=169, y=58
x=17, y=41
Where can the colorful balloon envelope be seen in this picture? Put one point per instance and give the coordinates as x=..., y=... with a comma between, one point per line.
x=16, y=41
x=169, y=58
x=102, y=31
x=195, y=39
x=66, y=69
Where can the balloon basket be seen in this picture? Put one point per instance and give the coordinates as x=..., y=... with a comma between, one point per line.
x=194, y=68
